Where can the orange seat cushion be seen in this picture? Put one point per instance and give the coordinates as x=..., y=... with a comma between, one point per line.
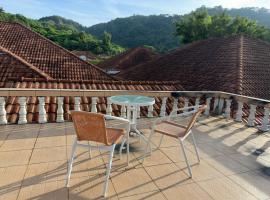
x=114, y=135
x=171, y=129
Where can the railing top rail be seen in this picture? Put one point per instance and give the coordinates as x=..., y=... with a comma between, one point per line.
x=33, y=92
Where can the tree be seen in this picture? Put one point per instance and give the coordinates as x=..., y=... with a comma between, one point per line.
x=107, y=39
x=1, y=10
x=200, y=25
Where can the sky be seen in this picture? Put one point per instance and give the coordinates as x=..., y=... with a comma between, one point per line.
x=90, y=12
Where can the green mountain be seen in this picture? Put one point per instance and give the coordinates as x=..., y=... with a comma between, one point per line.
x=158, y=30
x=154, y=30
x=67, y=33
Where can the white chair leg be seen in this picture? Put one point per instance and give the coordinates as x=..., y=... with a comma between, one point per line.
x=71, y=161
x=184, y=152
x=108, y=171
x=148, y=145
x=195, y=147
x=122, y=146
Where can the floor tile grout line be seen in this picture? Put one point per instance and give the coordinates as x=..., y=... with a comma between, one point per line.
x=28, y=163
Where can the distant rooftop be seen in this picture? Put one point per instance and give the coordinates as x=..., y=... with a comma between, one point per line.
x=236, y=64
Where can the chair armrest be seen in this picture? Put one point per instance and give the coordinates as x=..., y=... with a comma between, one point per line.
x=108, y=117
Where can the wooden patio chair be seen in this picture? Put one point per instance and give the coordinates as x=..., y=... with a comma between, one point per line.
x=167, y=127
x=91, y=127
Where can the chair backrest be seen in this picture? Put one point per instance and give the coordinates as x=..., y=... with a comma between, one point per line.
x=90, y=126
x=194, y=118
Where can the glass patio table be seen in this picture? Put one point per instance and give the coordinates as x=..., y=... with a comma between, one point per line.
x=133, y=103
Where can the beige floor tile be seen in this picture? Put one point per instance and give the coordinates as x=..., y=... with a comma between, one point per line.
x=11, y=176
x=54, y=190
x=50, y=141
x=250, y=161
x=156, y=158
x=45, y=172
x=132, y=182
x=18, y=144
x=224, y=188
x=186, y=192
x=90, y=188
x=202, y=171
x=226, y=165
x=206, y=150
x=148, y=195
x=10, y=193
x=10, y=158
x=167, y=175
x=254, y=183
x=48, y=154
x=176, y=155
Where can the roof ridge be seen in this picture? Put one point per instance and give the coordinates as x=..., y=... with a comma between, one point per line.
x=40, y=72
x=67, y=51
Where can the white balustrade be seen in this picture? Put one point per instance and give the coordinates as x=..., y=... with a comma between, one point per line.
x=77, y=104
x=42, y=118
x=228, y=108
x=186, y=100
x=197, y=103
x=22, y=112
x=138, y=112
x=3, y=113
x=265, y=121
x=207, y=110
x=94, y=105
x=220, y=106
x=251, y=116
x=163, y=107
x=239, y=112
x=60, y=110
x=175, y=106
x=109, y=107
x=123, y=111
x=150, y=111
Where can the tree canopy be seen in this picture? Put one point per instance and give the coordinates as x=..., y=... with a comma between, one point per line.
x=200, y=25
x=66, y=33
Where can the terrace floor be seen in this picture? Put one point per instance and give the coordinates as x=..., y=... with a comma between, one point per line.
x=33, y=165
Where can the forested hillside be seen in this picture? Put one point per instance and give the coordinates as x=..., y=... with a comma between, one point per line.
x=66, y=33
x=158, y=30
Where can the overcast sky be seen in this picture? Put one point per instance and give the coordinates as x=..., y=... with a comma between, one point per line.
x=90, y=12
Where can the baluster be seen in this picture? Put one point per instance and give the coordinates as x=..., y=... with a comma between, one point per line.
x=77, y=104
x=186, y=100
x=228, y=108
x=265, y=122
x=138, y=112
x=251, y=116
x=163, y=107
x=42, y=112
x=109, y=107
x=60, y=110
x=239, y=112
x=220, y=105
x=94, y=105
x=22, y=112
x=123, y=111
x=197, y=103
x=207, y=110
x=175, y=106
x=150, y=111
x=3, y=113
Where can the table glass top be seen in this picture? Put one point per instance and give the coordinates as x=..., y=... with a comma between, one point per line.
x=132, y=100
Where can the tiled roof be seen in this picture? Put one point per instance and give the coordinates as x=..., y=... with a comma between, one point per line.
x=12, y=106
x=128, y=58
x=45, y=55
x=13, y=66
x=236, y=64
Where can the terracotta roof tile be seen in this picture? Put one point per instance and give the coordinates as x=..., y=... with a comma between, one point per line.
x=45, y=55
x=236, y=64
